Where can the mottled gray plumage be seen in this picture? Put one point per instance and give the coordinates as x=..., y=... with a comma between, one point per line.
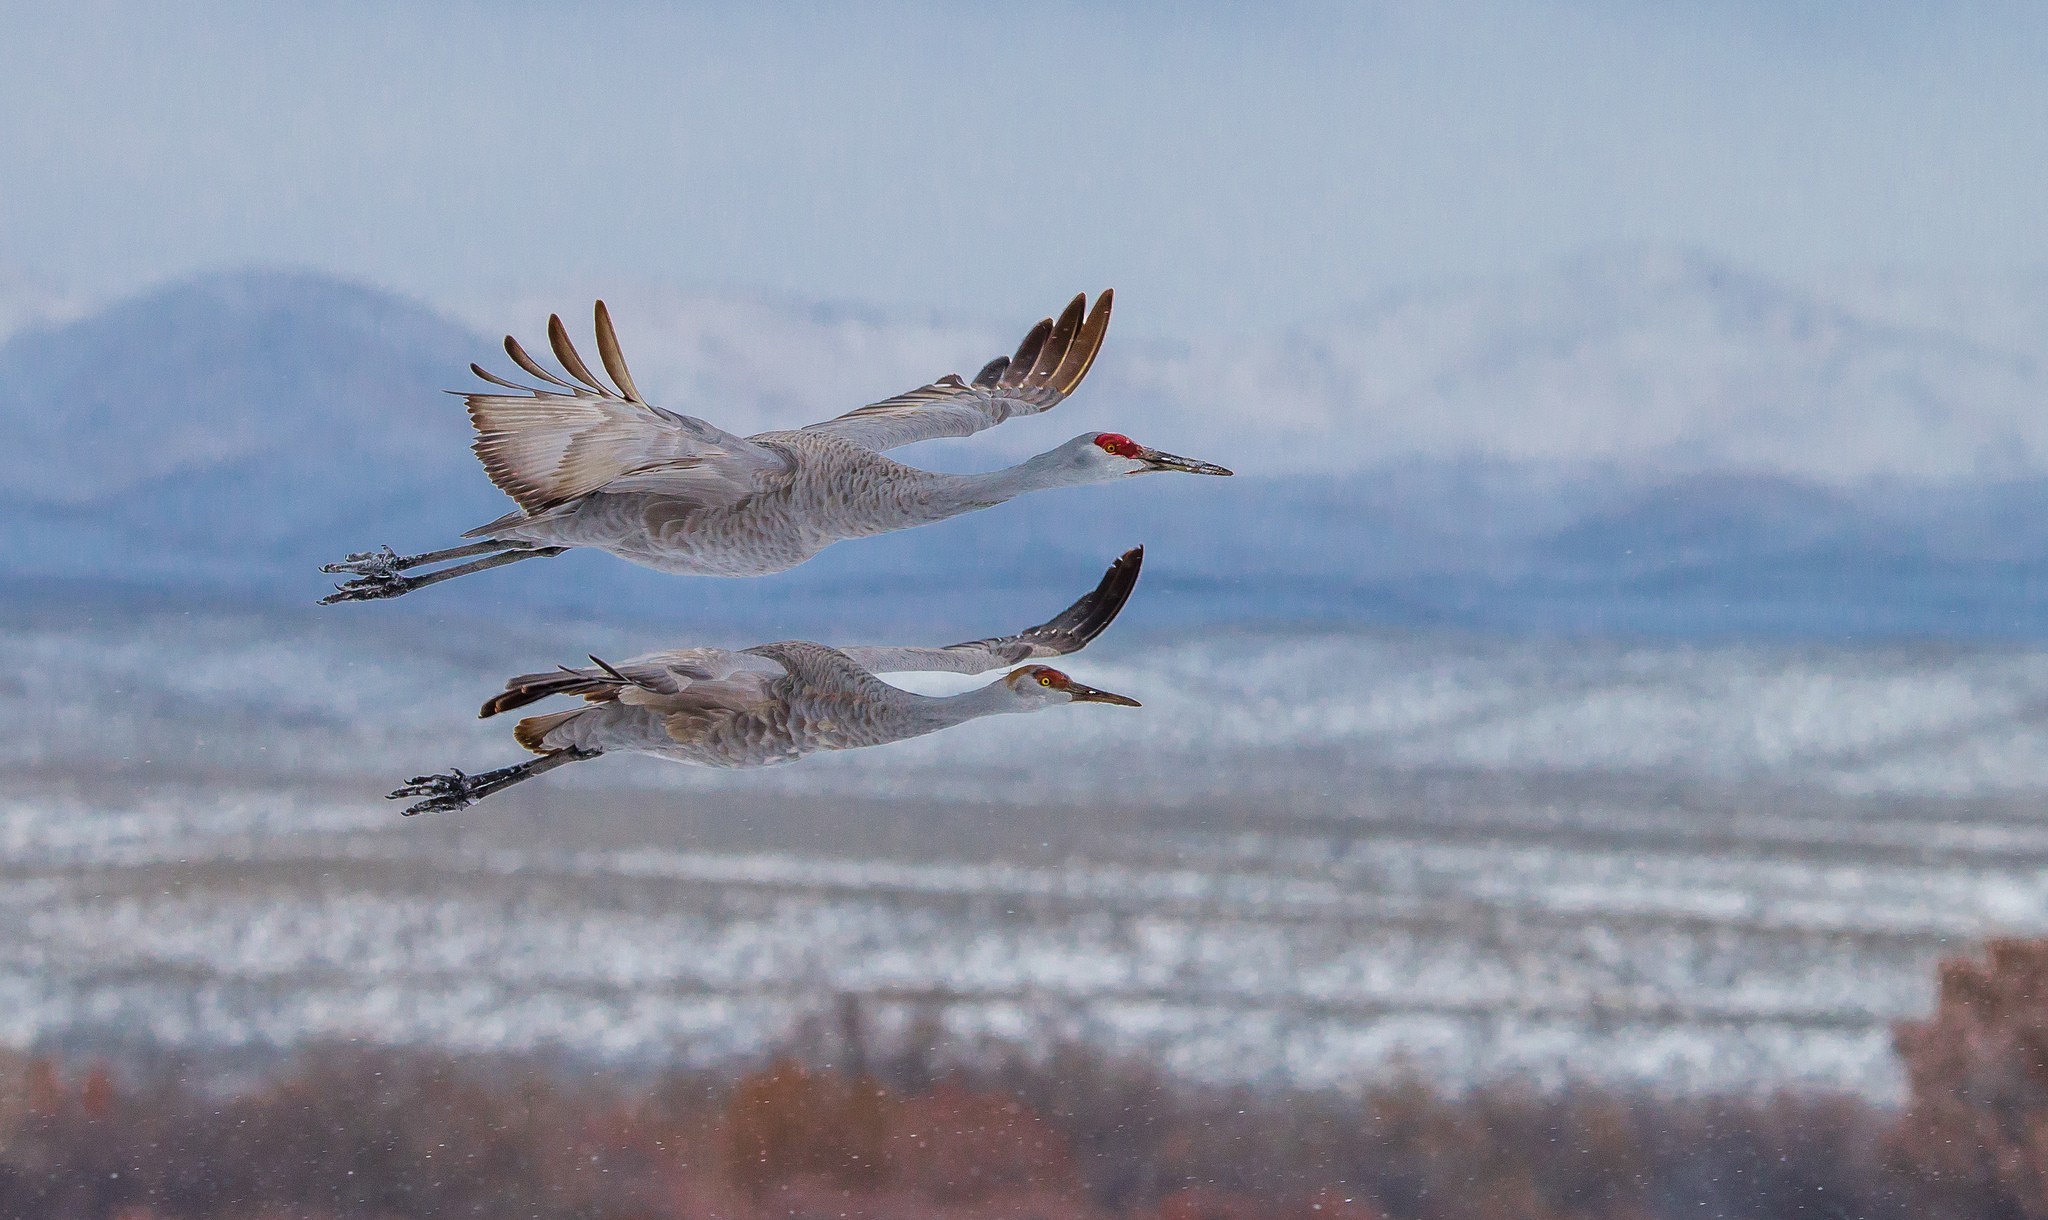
x=595, y=465
x=776, y=703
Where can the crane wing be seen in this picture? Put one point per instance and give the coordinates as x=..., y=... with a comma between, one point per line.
x=1069, y=631
x=653, y=678
x=1047, y=366
x=548, y=444
x=820, y=667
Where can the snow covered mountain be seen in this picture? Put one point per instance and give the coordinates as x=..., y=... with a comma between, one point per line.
x=1643, y=358
x=1658, y=360
x=222, y=425
x=1632, y=441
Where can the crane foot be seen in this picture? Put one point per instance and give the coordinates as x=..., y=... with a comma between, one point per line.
x=383, y=562
x=444, y=793
x=370, y=587
x=454, y=790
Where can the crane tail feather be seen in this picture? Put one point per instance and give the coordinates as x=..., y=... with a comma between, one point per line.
x=532, y=732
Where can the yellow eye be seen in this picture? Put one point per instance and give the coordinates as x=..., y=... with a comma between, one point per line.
x=1045, y=679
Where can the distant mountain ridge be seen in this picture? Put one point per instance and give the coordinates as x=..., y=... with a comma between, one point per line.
x=226, y=420
x=1541, y=454
x=1648, y=359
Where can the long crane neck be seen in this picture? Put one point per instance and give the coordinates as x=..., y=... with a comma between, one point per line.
x=929, y=713
x=1053, y=468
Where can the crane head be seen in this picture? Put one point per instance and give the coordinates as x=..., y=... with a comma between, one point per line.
x=1043, y=686
x=1139, y=459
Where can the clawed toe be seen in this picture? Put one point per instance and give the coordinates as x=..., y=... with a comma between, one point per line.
x=384, y=562
x=439, y=804
x=376, y=576
x=429, y=785
x=444, y=793
x=369, y=587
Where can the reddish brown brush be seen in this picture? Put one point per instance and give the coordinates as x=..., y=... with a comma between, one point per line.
x=1063, y=1136
x=1975, y=1134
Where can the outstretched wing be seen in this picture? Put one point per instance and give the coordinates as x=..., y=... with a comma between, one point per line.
x=651, y=678
x=1047, y=367
x=1069, y=631
x=545, y=445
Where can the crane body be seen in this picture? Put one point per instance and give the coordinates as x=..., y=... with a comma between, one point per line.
x=775, y=703
x=594, y=465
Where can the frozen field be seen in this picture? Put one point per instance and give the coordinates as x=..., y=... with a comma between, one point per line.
x=1311, y=856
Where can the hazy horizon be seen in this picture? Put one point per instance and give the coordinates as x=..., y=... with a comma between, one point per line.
x=1222, y=170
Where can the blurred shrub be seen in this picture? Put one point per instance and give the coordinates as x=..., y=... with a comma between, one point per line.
x=789, y=1121
x=959, y=1145
x=1975, y=1132
x=1063, y=1134
x=395, y=1134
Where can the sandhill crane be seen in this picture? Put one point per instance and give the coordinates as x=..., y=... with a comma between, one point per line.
x=596, y=465
x=776, y=703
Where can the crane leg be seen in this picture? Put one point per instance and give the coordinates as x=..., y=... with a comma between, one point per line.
x=391, y=584
x=385, y=561
x=454, y=790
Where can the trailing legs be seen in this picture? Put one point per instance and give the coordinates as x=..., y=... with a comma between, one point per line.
x=455, y=790
x=384, y=561
x=380, y=574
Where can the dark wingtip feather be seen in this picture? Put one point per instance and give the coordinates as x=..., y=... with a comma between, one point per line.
x=532, y=688
x=565, y=351
x=533, y=367
x=520, y=691
x=1053, y=352
x=496, y=380
x=1073, y=628
x=614, y=360
x=1086, y=346
x=992, y=372
x=1026, y=355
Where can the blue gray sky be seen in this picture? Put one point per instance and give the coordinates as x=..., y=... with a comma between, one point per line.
x=1221, y=168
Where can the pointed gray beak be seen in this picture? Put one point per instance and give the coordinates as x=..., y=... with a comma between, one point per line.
x=1155, y=460
x=1088, y=694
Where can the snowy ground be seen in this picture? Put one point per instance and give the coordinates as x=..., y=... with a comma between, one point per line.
x=1312, y=857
